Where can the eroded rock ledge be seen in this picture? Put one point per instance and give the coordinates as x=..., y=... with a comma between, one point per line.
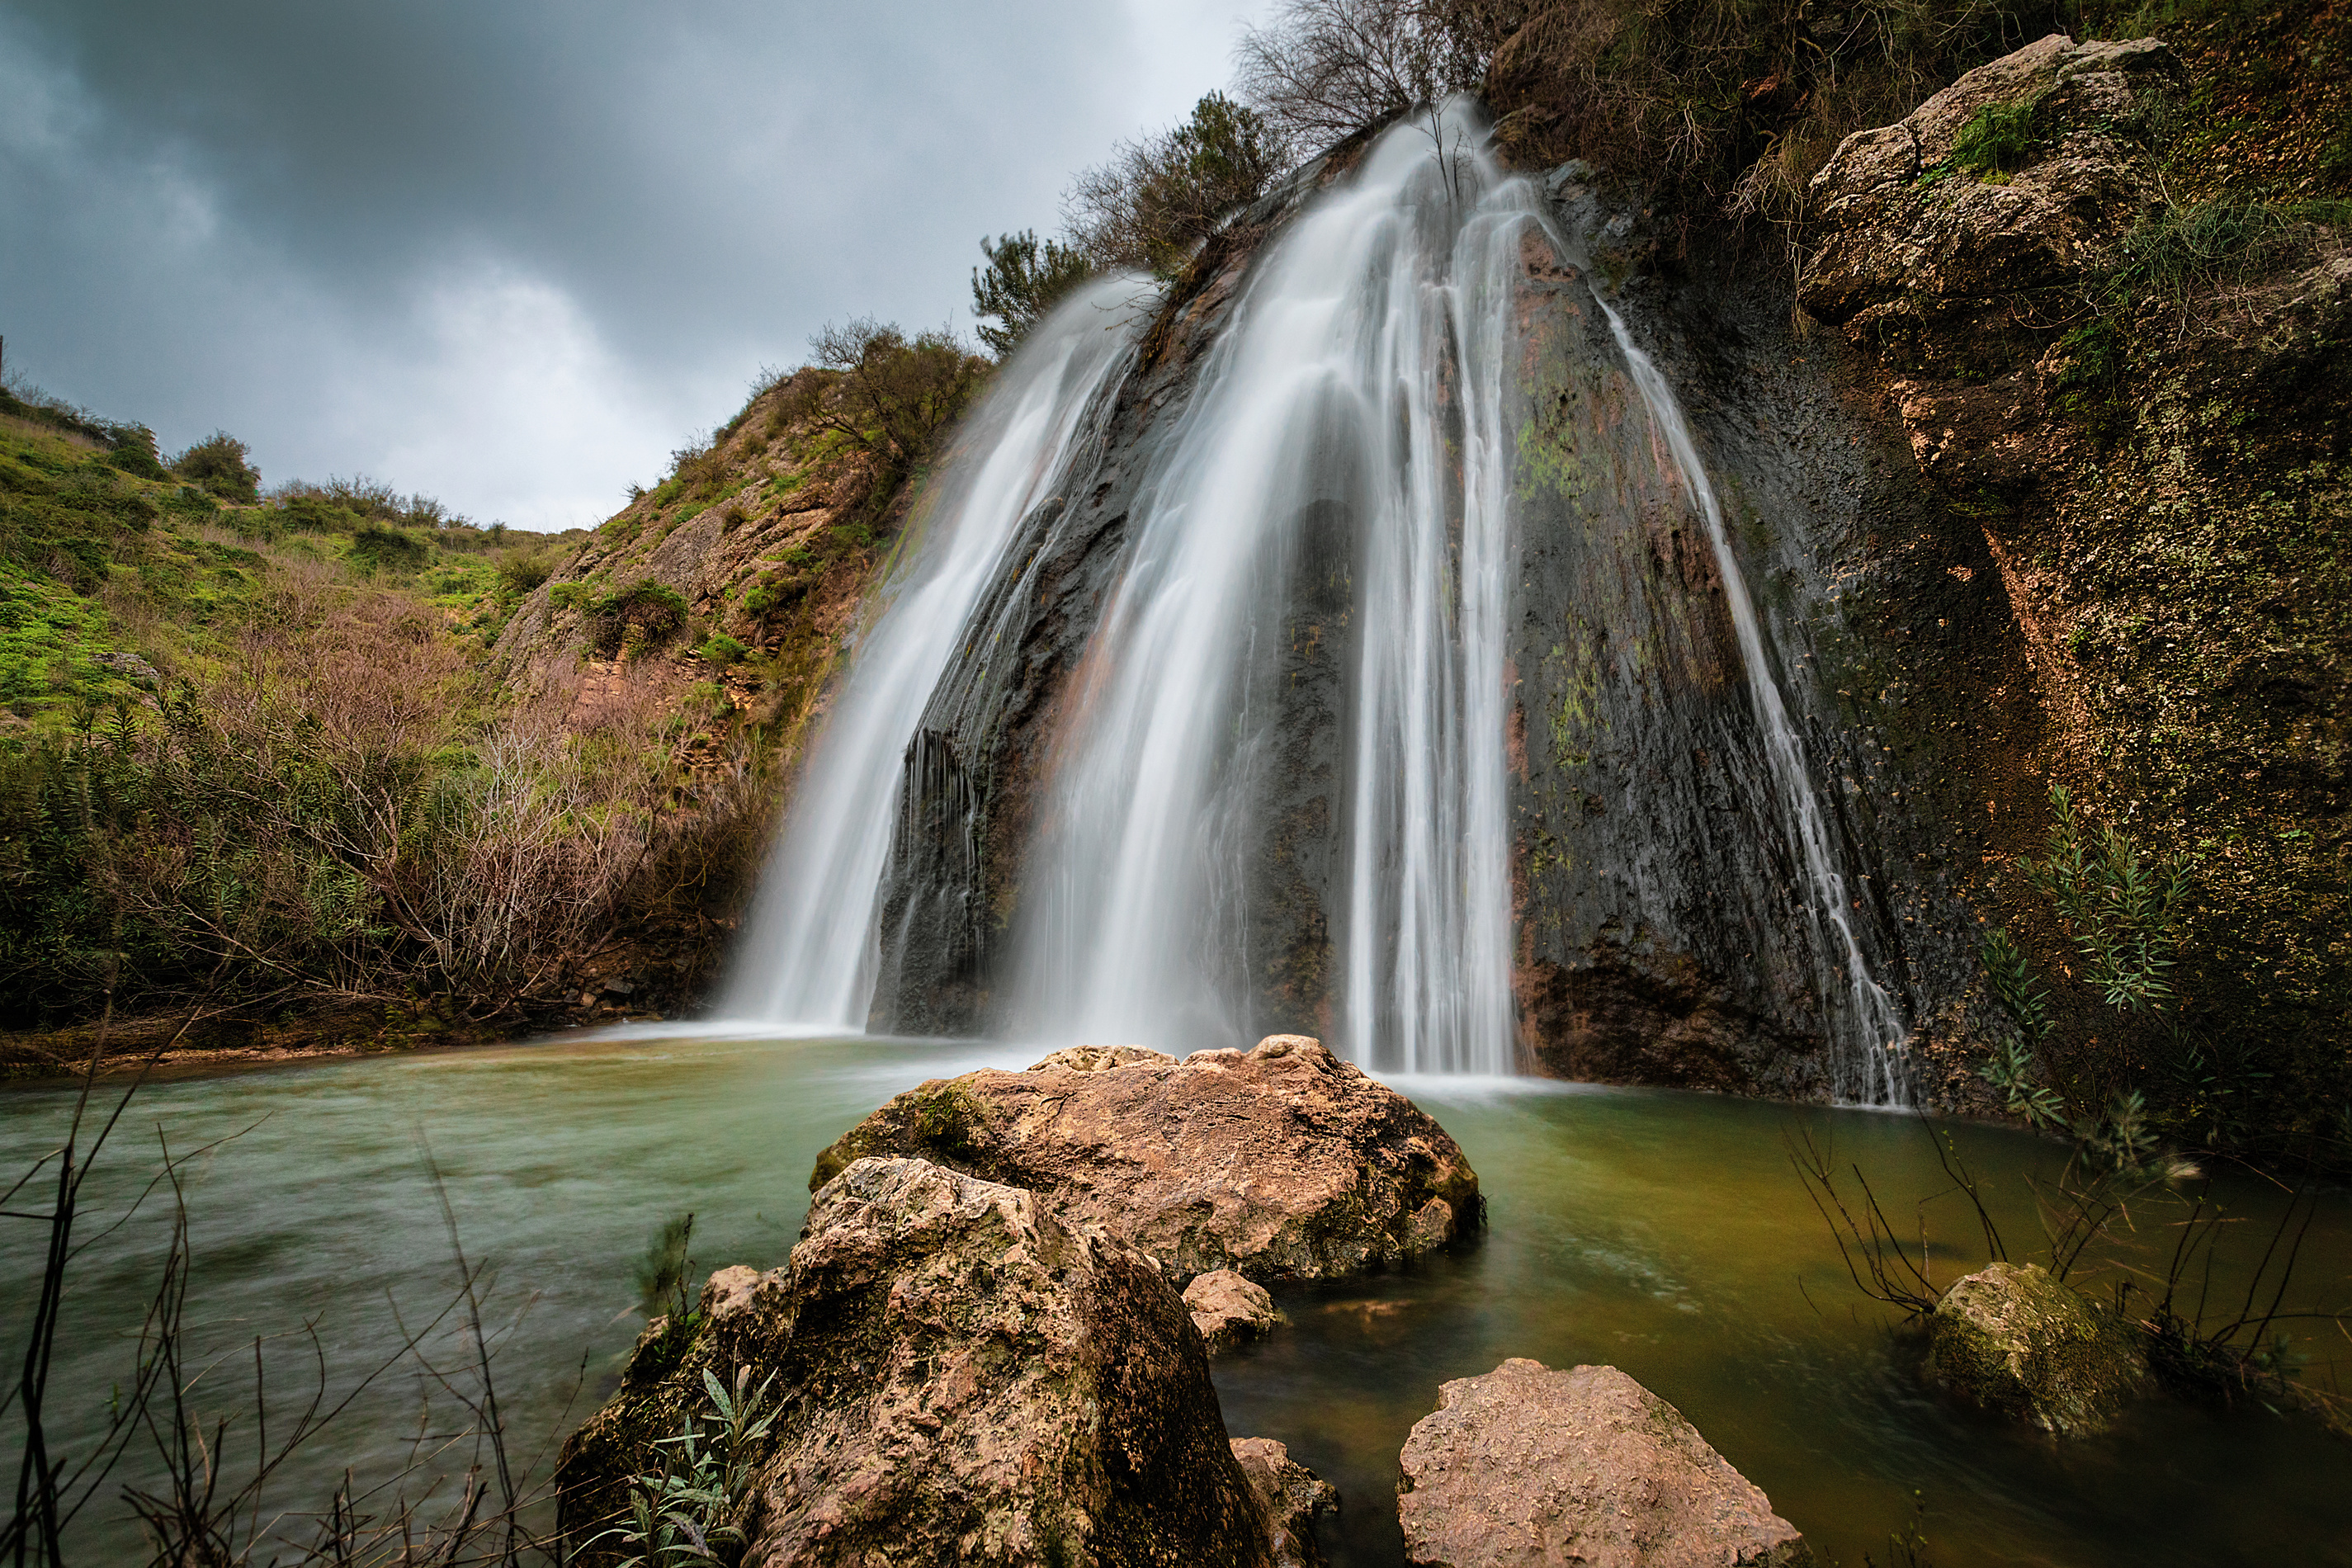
x=1279, y=1162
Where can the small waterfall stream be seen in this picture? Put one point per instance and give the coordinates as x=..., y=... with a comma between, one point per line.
x=1868, y=1034
x=808, y=959
x=1258, y=614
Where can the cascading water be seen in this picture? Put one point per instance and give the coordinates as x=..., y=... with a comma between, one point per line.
x=1202, y=707
x=1867, y=1032
x=1352, y=402
x=809, y=958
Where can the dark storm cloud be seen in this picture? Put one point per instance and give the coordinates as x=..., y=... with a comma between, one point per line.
x=512, y=253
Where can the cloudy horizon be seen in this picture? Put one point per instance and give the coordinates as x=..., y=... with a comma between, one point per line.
x=511, y=257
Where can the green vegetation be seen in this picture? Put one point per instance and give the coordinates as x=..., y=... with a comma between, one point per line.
x=1023, y=282
x=885, y=393
x=222, y=466
x=692, y=1512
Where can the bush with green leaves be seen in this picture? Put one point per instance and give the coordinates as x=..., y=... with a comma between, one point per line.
x=644, y=614
x=887, y=393
x=720, y=649
x=222, y=466
x=378, y=549
x=1025, y=279
x=2124, y=909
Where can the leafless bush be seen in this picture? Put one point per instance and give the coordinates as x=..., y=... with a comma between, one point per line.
x=887, y=393
x=1323, y=70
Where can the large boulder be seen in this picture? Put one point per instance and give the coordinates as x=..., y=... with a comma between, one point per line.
x=1527, y=1467
x=959, y=1377
x=2014, y=1339
x=1279, y=1162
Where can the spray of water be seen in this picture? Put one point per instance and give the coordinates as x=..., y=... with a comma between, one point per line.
x=808, y=958
x=1866, y=1032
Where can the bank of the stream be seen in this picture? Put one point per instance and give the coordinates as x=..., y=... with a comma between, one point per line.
x=1665, y=1232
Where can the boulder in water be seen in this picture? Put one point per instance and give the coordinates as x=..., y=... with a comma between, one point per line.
x=959, y=1377
x=1279, y=1162
x=1228, y=1309
x=2014, y=1339
x=1527, y=1467
x=1292, y=1495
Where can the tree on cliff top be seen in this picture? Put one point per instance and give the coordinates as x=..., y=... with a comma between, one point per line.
x=888, y=393
x=1159, y=197
x=1323, y=70
x=1023, y=279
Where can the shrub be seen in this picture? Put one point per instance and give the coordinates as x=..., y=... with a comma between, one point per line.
x=135, y=453
x=644, y=614
x=887, y=393
x=221, y=464
x=1023, y=279
x=379, y=549
x=720, y=649
x=519, y=574
x=1157, y=199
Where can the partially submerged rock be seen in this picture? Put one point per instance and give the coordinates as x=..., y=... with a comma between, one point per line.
x=959, y=1378
x=1292, y=1495
x=1283, y=1162
x=1527, y=1467
x=2014, y=1339
x=1229, y=1309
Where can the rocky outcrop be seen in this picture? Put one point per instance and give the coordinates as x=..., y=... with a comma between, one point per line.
x=2124, y=370
x=1279, y=1162
x=2016, y=1340
x=1292, y=1496
x=1527, y=1467
x=961, y=1378
x=1228, y=1309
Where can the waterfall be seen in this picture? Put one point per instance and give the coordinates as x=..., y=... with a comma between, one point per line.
x=808, y=958
x=1867, y=1033
x=1346, y=421
x=1194, y=709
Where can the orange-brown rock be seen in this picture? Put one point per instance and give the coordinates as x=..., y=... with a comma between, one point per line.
x=1292, y=1495
x=1530, y=1468
x=1280, y=1162
x=959, y=1377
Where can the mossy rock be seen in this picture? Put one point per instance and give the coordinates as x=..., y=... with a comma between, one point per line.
x=2015, y=1341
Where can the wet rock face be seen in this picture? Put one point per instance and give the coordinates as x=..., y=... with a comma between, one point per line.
x=1229, y=1309
x=1280, y=1162
x=2015, y=1341
x=1528, y=1466
x=1292, y=1496
x=961, y=1378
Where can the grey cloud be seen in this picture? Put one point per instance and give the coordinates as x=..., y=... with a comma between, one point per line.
x=354, y=234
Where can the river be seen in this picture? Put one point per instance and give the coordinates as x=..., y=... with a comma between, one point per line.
x=1665, y=1232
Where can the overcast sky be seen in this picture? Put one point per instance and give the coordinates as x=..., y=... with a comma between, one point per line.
x=511, y=252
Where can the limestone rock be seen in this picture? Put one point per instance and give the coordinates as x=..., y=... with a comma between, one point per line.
x=1527, y=1467
x=1291, y=1494
x=1228, y=1309
x=961, y=1378
x=1282, y=1161
x=1918, y=250
x=2014, y=1339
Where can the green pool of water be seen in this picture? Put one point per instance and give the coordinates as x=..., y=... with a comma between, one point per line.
x=1663, y=1233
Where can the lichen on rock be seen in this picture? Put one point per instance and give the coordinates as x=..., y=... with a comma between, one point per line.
x=2014, y=1339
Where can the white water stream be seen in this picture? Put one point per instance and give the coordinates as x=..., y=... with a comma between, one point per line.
x=1866, y=1034
x=809, y=956
x=1360, y=380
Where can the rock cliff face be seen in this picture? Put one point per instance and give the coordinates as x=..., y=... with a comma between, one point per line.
x=2127, y=380
x=1281, y=1163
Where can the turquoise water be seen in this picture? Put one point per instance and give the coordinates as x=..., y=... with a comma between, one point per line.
x=1664, y=1233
